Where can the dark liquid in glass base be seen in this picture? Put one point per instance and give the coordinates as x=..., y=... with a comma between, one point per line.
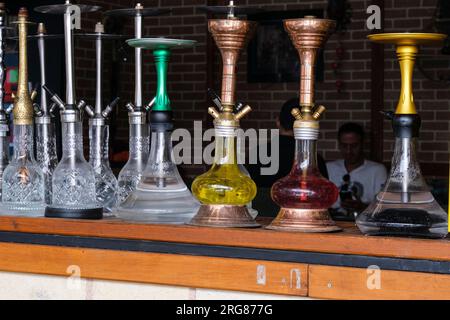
x=405, y=223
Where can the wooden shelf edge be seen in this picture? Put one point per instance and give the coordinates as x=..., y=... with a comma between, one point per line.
x=162, y=269
x=327, y=282
x=350, y=242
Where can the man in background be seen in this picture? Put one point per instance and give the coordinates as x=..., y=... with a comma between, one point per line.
x=358, y=179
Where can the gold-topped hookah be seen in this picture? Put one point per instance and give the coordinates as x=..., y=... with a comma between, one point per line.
x=405, y=207
x=23, y=179
x=23, y=99
x=225, y=190
x=304, y=195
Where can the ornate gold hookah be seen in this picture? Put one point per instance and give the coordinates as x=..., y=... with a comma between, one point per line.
x=23, y=179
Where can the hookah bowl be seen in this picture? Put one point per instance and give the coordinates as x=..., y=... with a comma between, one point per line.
x=406, y=206
x=23, y=180
x=304, y=195
x=73, y=183
x=46, y=154
x=161, y=197
x=225, y=190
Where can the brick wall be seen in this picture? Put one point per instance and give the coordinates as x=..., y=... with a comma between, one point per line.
x=188, y=74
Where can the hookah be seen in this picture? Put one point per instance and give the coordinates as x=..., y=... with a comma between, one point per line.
x=105, y=182
x=225, y=190
x=4, y=112
x=304, y=195
x=161, y=196
x=23, y=179
x=73, y=186
x=46, y=154
x=139, y=139
x=406, y=206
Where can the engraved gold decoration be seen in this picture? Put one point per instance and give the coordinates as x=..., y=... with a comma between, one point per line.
x=23, y=104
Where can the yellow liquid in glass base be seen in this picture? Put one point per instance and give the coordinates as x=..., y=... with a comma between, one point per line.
x=224, y=185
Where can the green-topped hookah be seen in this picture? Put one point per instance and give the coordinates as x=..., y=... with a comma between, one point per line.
x=161, y=196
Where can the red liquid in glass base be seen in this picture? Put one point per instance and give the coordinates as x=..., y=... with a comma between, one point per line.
x=312, y=192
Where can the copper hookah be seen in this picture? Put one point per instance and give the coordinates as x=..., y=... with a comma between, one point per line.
x=225, y=190
x=304, y=195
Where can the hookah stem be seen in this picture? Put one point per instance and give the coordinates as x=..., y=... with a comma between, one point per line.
x=162, y=104
x=98, y=95
x=138, y=61
x=303, y=183
x=41, y=46
x=404, y=165
x=96, y=144
x=70, y=91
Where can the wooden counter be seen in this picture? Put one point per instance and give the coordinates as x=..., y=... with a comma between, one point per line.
x=343, y=265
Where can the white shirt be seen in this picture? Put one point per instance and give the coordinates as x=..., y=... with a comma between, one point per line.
x=369, y=179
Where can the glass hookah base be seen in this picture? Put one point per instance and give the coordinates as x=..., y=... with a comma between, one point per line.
x=305, y=221
x=223, y=216
x=403, y=222
x=81, y=214
x=155, y=218
x=10, y=209
x=152, y=207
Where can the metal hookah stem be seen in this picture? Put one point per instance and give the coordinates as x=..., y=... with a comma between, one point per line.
x=70, y=91
x=405, y=164
x=98, y=96
x=41, y=46
x=138, y=59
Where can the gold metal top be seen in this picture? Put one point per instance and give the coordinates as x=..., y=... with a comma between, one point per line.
x=227, y=118
x=407, y=50
x=231, y=36
x=23, y=104
x=406, y=38
x=308, y=36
